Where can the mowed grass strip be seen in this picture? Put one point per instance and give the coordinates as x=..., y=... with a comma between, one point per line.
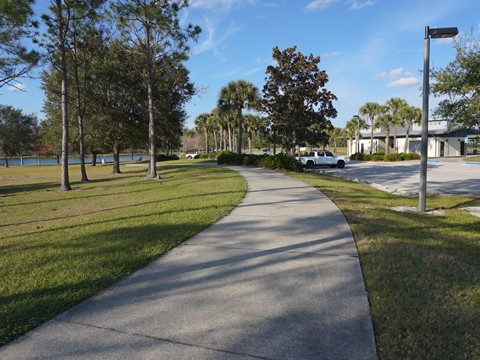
x=58, y=248
x=422, y=272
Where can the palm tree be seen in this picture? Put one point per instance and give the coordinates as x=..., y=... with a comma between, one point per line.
x=251, y=124
x=384, y=121
x=236, y=96
x=201, y=123
x=335, y=133
x=349, y=132
x=371, y=109
x=411, y=115
x=396, y=105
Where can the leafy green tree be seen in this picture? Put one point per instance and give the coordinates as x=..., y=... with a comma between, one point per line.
x=295, y=97
x=120, y=101
x=153, y=29
x=459, y=81
x=57, y=22
x=236, y=96
x=371, y=109
x=172, y=94
x=17, y=132
x=82, y=40
x=16, y=25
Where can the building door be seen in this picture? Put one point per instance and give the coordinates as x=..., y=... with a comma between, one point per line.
x=362, y=148
x=462, y=148
x=442, y=149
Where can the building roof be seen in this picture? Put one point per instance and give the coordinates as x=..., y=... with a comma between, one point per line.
x=435, y=128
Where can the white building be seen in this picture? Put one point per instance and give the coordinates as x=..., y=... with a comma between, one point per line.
x=444, y=140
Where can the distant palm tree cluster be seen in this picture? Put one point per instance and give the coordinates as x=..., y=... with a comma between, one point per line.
x=226, y=123
x=394, y=113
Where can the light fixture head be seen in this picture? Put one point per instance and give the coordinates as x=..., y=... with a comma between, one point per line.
x=447, y=32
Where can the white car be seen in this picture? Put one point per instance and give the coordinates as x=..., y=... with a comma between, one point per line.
x=322, y=158
x=190, y=154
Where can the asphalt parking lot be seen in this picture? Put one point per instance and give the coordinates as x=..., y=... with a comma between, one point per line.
x=444, y=176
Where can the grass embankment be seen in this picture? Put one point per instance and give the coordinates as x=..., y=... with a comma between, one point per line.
x=422, y=272
x=58, y=248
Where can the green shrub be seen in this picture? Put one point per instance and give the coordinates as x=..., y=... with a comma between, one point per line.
x=376, y=157
x=229, y=158
x=391, y=157
x=251, y=160
x=379, y=153
x=279, y=161
x=282, y=161
x=166, y=157
x=412, y=156
x=205, y=156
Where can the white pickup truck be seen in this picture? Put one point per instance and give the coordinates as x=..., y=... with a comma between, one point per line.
x=315, y=158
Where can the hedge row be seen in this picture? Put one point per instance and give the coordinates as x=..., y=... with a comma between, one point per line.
x=279, y=161
x=385, y=157
x=166, y=157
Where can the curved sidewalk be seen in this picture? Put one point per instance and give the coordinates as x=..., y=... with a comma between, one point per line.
x=278, y=278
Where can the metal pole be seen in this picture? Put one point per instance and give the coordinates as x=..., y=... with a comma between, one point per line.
x=422, y=193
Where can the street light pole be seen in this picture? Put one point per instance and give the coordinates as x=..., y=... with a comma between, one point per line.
x=434, y=33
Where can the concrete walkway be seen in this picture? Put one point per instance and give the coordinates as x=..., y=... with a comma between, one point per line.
x=278, y=278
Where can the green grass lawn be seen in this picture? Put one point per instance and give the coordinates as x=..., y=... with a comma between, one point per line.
x=58, y=248
x=422, y=272
x=473, y=158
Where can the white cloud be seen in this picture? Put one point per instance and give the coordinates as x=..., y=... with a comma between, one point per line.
x=357, y=5
x=319, y=4
x=331, y=54
x=323, y=4
x=442, y=41
x=17, y=87
x=392, y=74
x=211, y=4
x=398, y=78
x=253, y=71
x=404, y=82
x=212, y=42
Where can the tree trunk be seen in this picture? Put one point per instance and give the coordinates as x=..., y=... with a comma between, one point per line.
x=152, y=150
x=371, y=135
x=94, y=158
x=64, y=180
x=207, y=149
x=395, y=139
x=21, y=160
x=240, y=125
x=405, y=146
x=229, y=137
x=234, y=140
x=116, y=159
x=250, y=142
x=215, y=140
x=6, y=162
x=387, y=140
x=225, y=139
x=81, y=141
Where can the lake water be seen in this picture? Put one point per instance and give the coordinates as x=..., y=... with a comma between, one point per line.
x=71, y=160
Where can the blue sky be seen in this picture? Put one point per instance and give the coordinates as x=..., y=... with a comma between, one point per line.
x=372, y=50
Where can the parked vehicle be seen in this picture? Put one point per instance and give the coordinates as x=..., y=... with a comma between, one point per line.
x=317, y=158
x=190, y=154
